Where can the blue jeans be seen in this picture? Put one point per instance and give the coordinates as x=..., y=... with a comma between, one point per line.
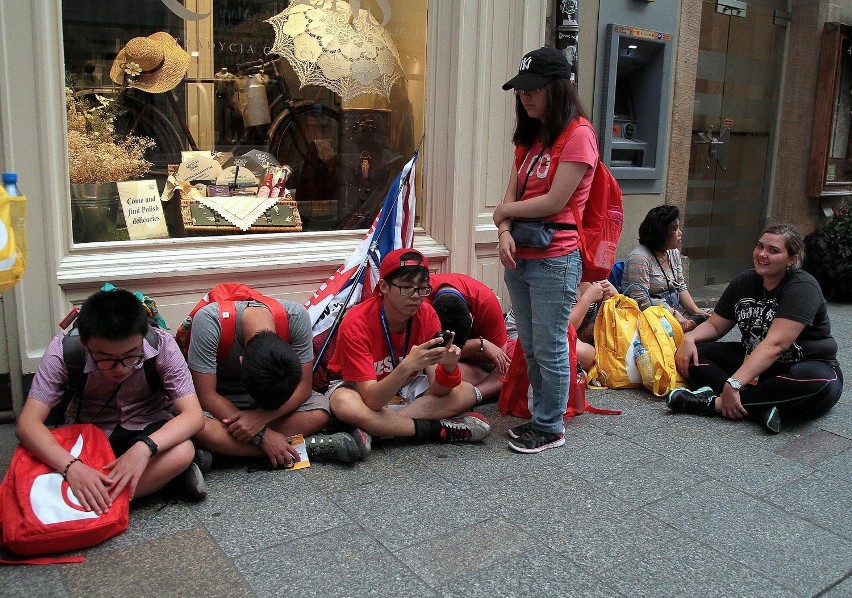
x=542, y=292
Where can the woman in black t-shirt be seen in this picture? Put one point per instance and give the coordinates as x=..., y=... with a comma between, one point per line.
x=786, y=361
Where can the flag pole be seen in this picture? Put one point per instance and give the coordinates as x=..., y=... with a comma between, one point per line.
x=361, y=267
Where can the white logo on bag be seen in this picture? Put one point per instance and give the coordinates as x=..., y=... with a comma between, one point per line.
x=4, y=243
x=51, y=497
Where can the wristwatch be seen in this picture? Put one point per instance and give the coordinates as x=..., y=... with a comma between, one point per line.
x=152, y=446
x=258, y=438
x=735, y=384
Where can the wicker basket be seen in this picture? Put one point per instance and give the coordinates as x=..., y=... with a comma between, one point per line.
x=269, y=222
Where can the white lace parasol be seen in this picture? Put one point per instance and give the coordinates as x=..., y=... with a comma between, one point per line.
x=327, y=46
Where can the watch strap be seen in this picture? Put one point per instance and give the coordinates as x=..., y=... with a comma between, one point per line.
x=152, y=446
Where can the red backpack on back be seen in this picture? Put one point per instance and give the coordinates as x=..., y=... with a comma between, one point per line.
x=514, y=399
x=225, y=294
x=38, y=512
x=603, y=215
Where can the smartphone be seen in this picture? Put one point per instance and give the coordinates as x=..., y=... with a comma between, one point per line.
x=445, y=335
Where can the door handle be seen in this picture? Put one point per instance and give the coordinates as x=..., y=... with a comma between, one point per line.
x=717, y=147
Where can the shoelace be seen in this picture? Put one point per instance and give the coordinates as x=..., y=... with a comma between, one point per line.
x=454, y=430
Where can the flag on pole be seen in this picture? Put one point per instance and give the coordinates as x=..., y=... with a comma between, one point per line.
x=357, y=278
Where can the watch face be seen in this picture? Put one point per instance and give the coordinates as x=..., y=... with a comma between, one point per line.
x=735, y=384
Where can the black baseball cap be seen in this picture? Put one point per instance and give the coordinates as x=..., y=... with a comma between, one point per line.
x=538, y=67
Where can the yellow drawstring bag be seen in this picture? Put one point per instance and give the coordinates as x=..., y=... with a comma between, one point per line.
x=13, y=239
x=615, y=330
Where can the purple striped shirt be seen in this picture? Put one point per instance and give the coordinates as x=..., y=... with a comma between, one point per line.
x=134, y=406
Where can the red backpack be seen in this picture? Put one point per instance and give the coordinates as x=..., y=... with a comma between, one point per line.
x=514, y=399
x=603, y=215
x=225, y=294
x=38, y=512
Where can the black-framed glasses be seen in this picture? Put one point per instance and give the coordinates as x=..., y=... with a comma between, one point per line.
x=409, y=292
x=108, y=364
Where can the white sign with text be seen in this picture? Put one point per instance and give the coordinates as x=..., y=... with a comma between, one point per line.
x=143, y=211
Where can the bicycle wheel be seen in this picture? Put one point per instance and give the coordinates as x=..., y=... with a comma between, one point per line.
x=306, y=139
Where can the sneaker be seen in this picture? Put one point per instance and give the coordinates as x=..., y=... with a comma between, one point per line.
x=362, y=439
x=772, y=420
x=339, y=446
x=190, y=484
x=701, y=401
x=467, y=427
x=519, y=431
x=204, y=459
x=535, y=441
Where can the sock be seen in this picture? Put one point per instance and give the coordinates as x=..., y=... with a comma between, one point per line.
x=426, y=430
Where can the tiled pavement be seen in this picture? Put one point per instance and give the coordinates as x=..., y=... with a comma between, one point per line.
x=642, y=504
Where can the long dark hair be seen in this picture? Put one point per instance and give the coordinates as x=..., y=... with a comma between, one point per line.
x=563, y=106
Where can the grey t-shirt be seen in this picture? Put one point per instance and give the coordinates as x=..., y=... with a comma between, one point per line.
x=205, y=342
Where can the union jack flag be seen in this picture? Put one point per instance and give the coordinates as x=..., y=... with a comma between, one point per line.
x=357, y=277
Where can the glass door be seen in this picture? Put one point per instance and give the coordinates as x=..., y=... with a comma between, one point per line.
x=733, y=127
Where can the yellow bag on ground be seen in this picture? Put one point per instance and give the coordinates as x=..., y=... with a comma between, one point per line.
x=615, y=331
x=13, y=239
x=661, y=334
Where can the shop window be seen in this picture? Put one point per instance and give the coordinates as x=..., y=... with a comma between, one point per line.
x=336, y=98
x=830, y=166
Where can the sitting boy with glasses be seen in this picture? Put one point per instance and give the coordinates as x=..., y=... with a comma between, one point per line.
x=149, y=429
x=392, y=377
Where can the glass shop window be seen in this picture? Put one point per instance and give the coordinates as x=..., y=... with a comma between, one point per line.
x=238, y=116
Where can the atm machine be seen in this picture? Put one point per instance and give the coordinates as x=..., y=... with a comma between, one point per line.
x=635, y=106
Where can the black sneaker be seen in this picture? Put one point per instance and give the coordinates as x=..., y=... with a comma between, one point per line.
x=519, y=431
x=535, y=441
x=772, y=420
x=701, y=401
x=190, y=484
x=362, y=439
x=339, y=446
x=204, y=459
x=467, y=427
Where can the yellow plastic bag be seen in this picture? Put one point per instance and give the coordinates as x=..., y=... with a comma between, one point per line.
x=13, y=239
x=661, y=334
x=615, y=331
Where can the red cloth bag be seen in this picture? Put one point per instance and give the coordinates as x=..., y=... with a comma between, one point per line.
x=39, y=513
x=514, y=399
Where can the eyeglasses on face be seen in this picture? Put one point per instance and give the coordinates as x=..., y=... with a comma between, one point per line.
x=527, y=92
x=409, y=292
x=108, y=364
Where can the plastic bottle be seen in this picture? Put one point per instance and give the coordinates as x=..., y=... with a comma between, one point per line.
x=10, y=183
x=667, y=326
x=643, y=363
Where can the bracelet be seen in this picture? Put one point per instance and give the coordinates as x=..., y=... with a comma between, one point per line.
x=70, y=463
x=448, y=380
x=481, y=346
x=505, y=230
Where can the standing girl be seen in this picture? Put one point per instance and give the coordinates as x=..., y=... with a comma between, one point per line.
x=555, y=158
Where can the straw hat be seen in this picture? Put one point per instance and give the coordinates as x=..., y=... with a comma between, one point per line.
x=154, y=64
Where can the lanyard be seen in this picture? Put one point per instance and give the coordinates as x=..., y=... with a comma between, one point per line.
x=529, y=172
x=668, y=282
x=386, y=330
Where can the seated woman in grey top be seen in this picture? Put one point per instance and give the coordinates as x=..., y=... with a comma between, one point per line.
x=655, y=265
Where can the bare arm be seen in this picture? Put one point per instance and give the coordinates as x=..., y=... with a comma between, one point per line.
x=377, y=394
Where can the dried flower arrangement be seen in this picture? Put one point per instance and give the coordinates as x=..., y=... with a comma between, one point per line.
x=96, y=155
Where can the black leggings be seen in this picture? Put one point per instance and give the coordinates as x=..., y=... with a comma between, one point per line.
x=806, y=389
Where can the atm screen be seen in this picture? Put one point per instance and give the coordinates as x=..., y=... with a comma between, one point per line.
x=624, y=107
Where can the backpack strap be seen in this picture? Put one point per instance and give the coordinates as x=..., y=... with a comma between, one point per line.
x=74, y=357
x=228, y=322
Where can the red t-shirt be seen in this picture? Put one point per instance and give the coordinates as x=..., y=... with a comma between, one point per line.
x=487, y=314
x=581, y=146
x=362, y=351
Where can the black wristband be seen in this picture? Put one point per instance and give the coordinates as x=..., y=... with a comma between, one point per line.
x=152, y=446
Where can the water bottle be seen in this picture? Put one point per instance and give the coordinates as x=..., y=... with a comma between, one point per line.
x=666, y=326
x=644, y=363
x=10, y=183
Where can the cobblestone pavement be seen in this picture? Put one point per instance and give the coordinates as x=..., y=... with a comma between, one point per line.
x=643, y=504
